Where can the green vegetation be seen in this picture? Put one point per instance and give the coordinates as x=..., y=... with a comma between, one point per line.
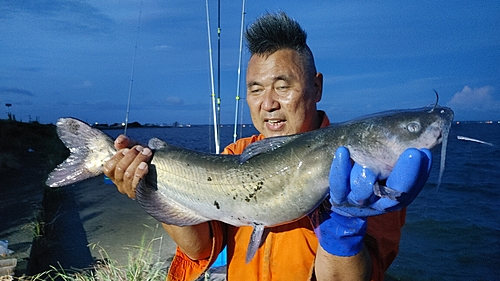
x=143, y=265
x=36, y=226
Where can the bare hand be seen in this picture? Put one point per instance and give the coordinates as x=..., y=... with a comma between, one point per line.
x=128, y=165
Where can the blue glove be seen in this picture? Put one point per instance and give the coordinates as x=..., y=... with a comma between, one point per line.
x=355, y=190
x=355, y=194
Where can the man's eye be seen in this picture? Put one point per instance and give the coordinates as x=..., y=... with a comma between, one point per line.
x=255, y=91
x=282, y=88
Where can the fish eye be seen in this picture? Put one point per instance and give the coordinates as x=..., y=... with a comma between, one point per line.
x=413, y=127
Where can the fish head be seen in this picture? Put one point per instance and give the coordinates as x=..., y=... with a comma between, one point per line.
x=419, y=128
x=385, y=136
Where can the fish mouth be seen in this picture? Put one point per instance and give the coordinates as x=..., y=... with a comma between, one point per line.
x=440, y=137
x=442, y=129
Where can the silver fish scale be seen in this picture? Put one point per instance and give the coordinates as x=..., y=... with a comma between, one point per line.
x=229, y=191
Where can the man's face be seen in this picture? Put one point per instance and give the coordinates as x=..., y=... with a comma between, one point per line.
x=282, y=99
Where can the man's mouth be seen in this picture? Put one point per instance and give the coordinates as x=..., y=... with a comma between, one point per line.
x=275, y=124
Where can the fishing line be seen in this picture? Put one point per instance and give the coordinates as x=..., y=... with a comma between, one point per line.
x=235, y=134
x=132, y=72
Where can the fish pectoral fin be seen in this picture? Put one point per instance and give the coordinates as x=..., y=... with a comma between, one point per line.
x=255, y=240
x=386, y=192
x=156, y=143
x=265, y=145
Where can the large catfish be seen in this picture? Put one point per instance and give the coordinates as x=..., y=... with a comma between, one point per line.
x=274, y=181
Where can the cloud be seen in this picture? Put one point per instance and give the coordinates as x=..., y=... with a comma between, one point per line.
x=162, y=47
x=15, y=91
x=87, y=84
x=65, y=15
x=174, y=100
x=30, y=69
x=477, y=99
x=355, y=77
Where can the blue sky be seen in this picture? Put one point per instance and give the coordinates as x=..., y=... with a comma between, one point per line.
x=64, y=58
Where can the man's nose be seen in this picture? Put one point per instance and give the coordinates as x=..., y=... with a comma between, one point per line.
x=270, y=102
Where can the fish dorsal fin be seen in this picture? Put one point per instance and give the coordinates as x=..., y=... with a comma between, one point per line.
x=264, y=146
x=255, y=240
x=156, y=143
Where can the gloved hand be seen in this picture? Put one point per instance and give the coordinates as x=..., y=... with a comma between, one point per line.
x=355, y=194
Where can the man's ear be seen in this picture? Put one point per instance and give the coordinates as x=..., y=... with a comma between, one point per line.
x=318, y=86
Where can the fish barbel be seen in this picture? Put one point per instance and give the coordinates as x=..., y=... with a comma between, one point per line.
x=274, y=181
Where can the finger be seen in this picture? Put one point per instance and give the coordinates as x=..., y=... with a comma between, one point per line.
x=140, y=173
x=362, y=181
x=122, y=141
x=133, y=170
x=386, y=204
x=425, y=170
x=408, y=176
x=339, y=175
x=428, y=156
x=110, y=165
x=406, y=171
x=128, y=157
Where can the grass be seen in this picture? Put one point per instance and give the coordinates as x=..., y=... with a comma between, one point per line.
x=143, y=265
x=36, y=226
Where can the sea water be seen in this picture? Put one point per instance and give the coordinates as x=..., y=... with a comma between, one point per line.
x=196, y=137
x=452, y=232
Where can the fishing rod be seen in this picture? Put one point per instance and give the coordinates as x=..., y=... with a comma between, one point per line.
x=218, y=67
x=132, y=72
x=235, y=135
x=214, y=109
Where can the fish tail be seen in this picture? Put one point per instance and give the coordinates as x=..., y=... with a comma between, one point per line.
x=89, y=150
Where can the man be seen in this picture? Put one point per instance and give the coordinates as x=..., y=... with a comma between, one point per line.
x=283, y=88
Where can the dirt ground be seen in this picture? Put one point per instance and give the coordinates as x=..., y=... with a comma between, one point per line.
x=21, y=197
x=82, y=223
